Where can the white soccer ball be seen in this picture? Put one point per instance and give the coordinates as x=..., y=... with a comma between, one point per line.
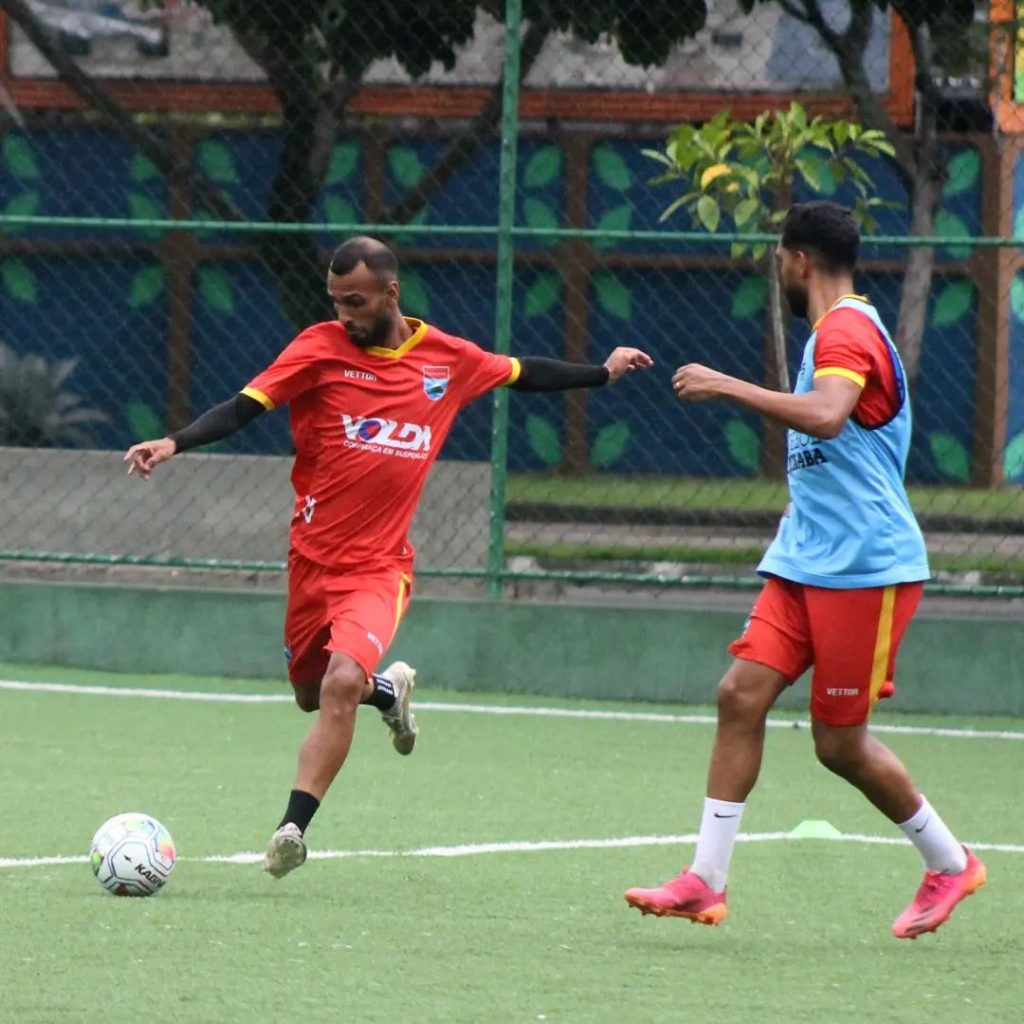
x=132, y=855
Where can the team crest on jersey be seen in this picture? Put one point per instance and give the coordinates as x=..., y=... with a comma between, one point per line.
x=435, y=381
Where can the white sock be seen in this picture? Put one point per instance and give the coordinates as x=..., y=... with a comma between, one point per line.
x=718, y=827
x=936, y=844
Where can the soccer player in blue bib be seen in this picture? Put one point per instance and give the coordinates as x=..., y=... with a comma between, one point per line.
x=844, y=576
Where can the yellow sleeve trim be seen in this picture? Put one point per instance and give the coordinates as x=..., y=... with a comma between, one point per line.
x=839, y=371
x=260, y=397
x=517, y=369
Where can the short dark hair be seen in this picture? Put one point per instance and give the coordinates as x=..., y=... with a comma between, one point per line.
x=377, y=256
x=827, y=231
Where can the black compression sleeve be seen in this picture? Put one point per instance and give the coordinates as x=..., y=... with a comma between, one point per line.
x=539, y=374
x=217, y=423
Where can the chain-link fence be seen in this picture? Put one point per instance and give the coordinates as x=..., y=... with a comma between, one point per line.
x=174, y=175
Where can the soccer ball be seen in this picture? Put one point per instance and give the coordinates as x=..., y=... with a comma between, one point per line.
x=132, y=855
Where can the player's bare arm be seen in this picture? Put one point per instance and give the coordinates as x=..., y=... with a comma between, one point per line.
x=215, y=424
x=540, y=374
x=822, y=412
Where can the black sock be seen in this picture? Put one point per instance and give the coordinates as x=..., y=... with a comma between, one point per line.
x=383, y=696
x=301, y=808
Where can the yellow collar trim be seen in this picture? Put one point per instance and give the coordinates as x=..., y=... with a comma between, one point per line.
x=842, y=298
x=419, y=330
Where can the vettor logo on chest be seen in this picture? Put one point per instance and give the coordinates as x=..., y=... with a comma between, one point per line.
x=386, y=435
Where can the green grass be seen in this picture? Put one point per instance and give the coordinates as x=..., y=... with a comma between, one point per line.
x=638, y=492
x=504, y=937
x=603, y=551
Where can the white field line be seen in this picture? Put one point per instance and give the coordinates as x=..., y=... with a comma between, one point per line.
x=490, y=709
x=479, y=849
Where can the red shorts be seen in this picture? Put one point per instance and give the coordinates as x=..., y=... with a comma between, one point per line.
x=333, y=611
x=850, y=637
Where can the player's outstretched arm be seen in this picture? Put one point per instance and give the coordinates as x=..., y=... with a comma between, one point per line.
x=540, y=374
x=822, y=412
x=219, y=422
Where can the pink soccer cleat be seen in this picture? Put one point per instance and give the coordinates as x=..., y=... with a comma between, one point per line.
x=938, y=895
x=687, y=896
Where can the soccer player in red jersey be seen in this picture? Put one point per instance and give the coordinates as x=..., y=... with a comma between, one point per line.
x=372, y=397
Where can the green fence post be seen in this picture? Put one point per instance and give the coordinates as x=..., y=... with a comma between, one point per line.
x=503, y=314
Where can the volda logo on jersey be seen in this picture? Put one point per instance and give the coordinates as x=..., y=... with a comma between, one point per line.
x=386, y=437
x=435, y=381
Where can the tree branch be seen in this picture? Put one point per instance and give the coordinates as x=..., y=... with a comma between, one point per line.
x=86, y=88
x=465, y=146
x=816, y=20
x=794, y=12
x=848, y=50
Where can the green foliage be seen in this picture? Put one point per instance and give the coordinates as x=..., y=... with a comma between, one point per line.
x=36, y=410
x=746, y=171
x=415, y=297
x=343, y=162
x=18, y=156
x=143, y=420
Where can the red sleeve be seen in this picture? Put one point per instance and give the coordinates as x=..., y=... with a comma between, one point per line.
x=847, y=346
x=295, y=370
x=481, y=371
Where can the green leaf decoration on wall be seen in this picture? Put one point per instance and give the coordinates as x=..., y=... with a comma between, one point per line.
x=19, y=158
x=612, y=170
x=339, y=211
x=750, y=297
x=143, y=420
x=950, y=457
x=962, y=173
x=19, y=281
x=949, y=224
x=613, y=295
x=609, y=445
x=543, y=167
x=414, y=296
x=25, y=204
x=1013, y=460
x=218, y=162
x=537, y=214
x=406, y=166
x=953, y=303
x=543, y=294
x=142, y=169
x=744, y=444
x=141, y=207
x=544, y=439
x=343, y=162
x=216, y=290
x=147, y=286
x=1017, y=297
x=618, y=218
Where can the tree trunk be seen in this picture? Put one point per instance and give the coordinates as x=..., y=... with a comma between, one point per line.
x=773, y=449
x=917, y=278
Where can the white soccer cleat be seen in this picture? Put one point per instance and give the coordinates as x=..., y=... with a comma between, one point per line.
x=285, y=851
x=400, y=719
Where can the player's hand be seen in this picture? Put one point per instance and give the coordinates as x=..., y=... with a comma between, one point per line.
x=696, y=383
x=143, y=457
x=626, y=360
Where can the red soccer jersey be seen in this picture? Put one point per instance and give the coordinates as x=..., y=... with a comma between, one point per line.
x=367, y=426
x=850, y=345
